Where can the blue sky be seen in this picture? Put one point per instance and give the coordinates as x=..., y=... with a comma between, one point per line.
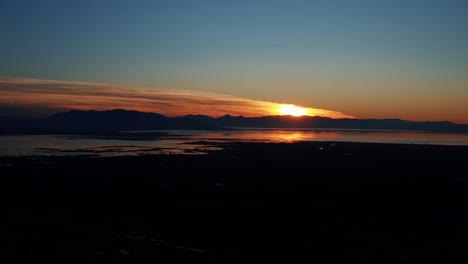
x=358, y=57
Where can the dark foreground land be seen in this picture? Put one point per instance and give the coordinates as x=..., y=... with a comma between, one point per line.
x=248, y=202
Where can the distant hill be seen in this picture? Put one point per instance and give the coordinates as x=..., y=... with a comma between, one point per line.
x=328, y=123
x=76, y=121
x=99, y=121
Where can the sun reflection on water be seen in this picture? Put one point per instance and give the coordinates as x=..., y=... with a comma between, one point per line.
x=199, y=142
x=287, y=136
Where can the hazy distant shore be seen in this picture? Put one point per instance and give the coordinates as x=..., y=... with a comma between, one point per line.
x=328, y=201
x=111, y=121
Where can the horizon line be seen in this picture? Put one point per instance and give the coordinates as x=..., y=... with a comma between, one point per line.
x=216, y=117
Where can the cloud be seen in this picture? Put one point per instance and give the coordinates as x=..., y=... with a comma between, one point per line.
x=44, y=97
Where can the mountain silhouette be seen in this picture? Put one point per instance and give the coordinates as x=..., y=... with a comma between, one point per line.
x=125, y=120
x=328, y=123
x=112, y=120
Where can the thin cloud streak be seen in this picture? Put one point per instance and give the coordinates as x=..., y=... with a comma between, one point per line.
x=52, y=96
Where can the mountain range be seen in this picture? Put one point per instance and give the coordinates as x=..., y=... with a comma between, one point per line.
x=77, y=121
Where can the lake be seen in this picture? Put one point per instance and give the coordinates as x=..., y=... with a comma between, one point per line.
x=194, y=142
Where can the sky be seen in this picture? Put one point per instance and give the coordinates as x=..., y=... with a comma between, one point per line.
x=367, y=59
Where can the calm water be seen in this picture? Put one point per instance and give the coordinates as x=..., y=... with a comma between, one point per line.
x=188, y=142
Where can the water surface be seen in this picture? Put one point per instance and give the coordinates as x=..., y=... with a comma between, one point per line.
x=192, y=142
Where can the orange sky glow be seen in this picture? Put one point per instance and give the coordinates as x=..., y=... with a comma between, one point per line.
x=45, y=97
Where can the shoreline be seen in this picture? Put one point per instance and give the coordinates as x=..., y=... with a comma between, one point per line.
x=327, y=201
x=173, y=144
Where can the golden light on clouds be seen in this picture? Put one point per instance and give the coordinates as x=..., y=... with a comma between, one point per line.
x=44, y=97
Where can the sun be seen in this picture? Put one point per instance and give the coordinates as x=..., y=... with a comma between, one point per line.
x=290, y=109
